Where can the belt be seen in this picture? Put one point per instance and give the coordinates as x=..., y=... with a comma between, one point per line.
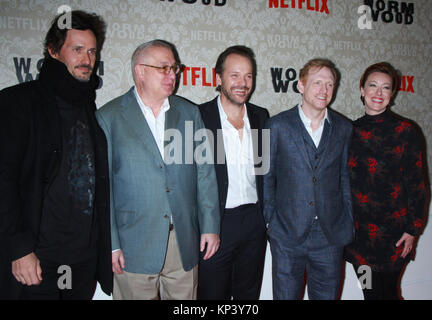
x=239, y=208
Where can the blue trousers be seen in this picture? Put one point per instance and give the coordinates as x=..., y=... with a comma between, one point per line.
x=321, y=261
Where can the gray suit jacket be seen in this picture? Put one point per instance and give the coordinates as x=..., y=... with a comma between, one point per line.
x=294, y=192
x=145, y=191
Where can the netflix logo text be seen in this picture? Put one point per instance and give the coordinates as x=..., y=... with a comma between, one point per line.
x=407, y=84
x=193, y=76
x=310, y=5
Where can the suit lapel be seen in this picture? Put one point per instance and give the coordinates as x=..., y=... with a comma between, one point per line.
x=132, y=113
x=330, y=138
x=211, y=118
x=297, y=136
x=214, y=124
x=256, y=138
x=172, y=116
x=253, y=118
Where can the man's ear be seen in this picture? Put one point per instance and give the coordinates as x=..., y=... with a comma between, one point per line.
x=52, y=54
x=139, y=72
x=218, y=80
x=300, y=86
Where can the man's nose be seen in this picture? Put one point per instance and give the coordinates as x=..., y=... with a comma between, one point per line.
x=86, y=58
x=171, y=73
x=244, y=81
x=323, y=89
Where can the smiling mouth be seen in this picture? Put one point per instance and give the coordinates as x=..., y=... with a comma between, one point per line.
x=241, y=91
x=377, y=100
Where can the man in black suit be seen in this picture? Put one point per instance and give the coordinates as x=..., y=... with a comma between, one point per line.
x=54, y=190
x=235, y=271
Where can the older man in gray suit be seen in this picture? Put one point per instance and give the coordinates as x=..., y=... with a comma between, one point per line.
x=164, y=203
x=307, y=204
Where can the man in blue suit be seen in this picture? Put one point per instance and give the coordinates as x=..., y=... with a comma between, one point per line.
x=307, y=200
x=164, y=198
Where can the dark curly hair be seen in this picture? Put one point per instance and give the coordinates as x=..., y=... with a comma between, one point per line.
x=81, y=20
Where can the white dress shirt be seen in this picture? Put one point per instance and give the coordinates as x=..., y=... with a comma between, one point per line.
x=156, y=124
x=239, y=161
x=317, y=134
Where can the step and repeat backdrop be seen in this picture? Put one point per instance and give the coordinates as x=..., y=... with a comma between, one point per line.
x=284, y=35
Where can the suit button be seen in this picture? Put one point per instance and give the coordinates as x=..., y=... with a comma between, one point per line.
x=167, y=189
x=166, y=216
x=311, y=203
x=314, y=180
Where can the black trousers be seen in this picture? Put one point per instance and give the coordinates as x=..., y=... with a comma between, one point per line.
x=385, y=285
x=236, y=270
x=55, y=284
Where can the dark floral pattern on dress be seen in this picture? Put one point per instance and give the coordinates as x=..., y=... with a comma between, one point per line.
x=388, y=189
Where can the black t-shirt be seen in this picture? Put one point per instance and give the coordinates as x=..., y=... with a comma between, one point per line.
x=68, y=231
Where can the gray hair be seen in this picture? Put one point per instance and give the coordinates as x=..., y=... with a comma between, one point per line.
x=140, y=50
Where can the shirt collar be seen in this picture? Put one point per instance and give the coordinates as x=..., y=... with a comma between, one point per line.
x=224, y=116
x=308, y=121
x=165, y=105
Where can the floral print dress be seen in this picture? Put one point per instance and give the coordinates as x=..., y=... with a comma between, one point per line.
x=388, y=189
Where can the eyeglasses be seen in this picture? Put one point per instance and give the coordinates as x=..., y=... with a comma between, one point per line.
x=176, y=68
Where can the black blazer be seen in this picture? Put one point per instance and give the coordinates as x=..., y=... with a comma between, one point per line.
x=31, y=146
x=257, y=117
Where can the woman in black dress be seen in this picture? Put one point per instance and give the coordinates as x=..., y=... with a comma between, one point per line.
x=386, y=164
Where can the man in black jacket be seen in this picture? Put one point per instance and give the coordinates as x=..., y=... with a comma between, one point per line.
x=235, y=271
x=54, y=191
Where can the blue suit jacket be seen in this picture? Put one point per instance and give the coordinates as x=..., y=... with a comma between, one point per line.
x=145, y=190
x=294, y=193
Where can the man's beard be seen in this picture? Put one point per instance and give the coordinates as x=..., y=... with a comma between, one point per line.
x=80, y=79
x=231, y=98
